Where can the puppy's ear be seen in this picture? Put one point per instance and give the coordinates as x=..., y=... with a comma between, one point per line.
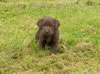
x=57, y=23
x=39, y=23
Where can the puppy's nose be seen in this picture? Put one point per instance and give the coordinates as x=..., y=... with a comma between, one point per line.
x=46, y=31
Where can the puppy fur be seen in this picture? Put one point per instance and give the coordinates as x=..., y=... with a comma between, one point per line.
x=48, y=33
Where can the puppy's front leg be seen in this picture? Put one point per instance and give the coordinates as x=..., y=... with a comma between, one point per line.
x=41, y=44
x=54, y=48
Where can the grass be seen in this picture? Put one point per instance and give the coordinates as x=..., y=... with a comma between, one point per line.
x=79, y=43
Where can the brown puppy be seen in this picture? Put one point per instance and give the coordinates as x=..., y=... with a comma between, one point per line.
x=48, y=33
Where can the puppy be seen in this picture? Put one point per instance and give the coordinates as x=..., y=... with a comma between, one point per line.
x=48, y=33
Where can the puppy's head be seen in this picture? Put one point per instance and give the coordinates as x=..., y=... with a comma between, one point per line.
x=48, y=26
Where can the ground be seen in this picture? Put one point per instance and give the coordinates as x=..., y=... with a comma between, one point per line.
x=79, y=43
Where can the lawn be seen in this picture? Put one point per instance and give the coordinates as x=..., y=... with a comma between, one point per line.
x=79, y=43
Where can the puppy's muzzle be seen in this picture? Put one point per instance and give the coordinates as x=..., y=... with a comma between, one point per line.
x=46, y=31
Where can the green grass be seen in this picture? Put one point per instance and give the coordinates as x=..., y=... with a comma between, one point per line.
x=79, y=43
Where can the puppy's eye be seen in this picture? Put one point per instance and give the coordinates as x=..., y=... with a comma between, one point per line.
x=50, y=25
